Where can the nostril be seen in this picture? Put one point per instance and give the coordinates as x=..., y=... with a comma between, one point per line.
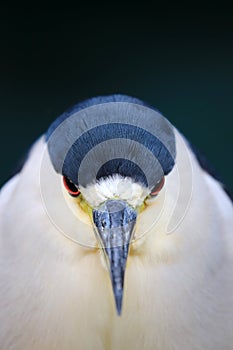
x=103, y=223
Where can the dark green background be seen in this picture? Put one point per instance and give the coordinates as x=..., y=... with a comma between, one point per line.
x=179, y=61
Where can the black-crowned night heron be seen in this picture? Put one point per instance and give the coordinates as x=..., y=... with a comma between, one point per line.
x=114, y=236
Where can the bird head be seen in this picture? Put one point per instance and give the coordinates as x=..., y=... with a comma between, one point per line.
x=112, y=153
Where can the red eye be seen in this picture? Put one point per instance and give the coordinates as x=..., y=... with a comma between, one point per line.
x=70, y=187
x=158, y=187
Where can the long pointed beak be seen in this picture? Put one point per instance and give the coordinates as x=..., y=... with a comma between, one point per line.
x=114, y=224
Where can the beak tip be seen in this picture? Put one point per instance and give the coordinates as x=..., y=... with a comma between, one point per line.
x=119, y=305
x=119, y=312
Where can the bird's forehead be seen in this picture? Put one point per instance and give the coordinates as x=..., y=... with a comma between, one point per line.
x=113, y=138
x=115, y=187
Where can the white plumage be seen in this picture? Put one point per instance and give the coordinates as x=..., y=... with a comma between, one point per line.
x=56, y=294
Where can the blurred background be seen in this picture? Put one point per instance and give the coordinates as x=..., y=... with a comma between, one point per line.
x=180, y=61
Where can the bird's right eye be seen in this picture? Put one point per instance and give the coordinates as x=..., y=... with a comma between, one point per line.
x=71, y=188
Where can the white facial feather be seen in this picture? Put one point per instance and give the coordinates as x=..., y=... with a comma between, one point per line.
x=115, y=187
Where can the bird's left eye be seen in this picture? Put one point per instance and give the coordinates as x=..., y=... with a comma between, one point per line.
x=71, y=188
x=155, y=191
